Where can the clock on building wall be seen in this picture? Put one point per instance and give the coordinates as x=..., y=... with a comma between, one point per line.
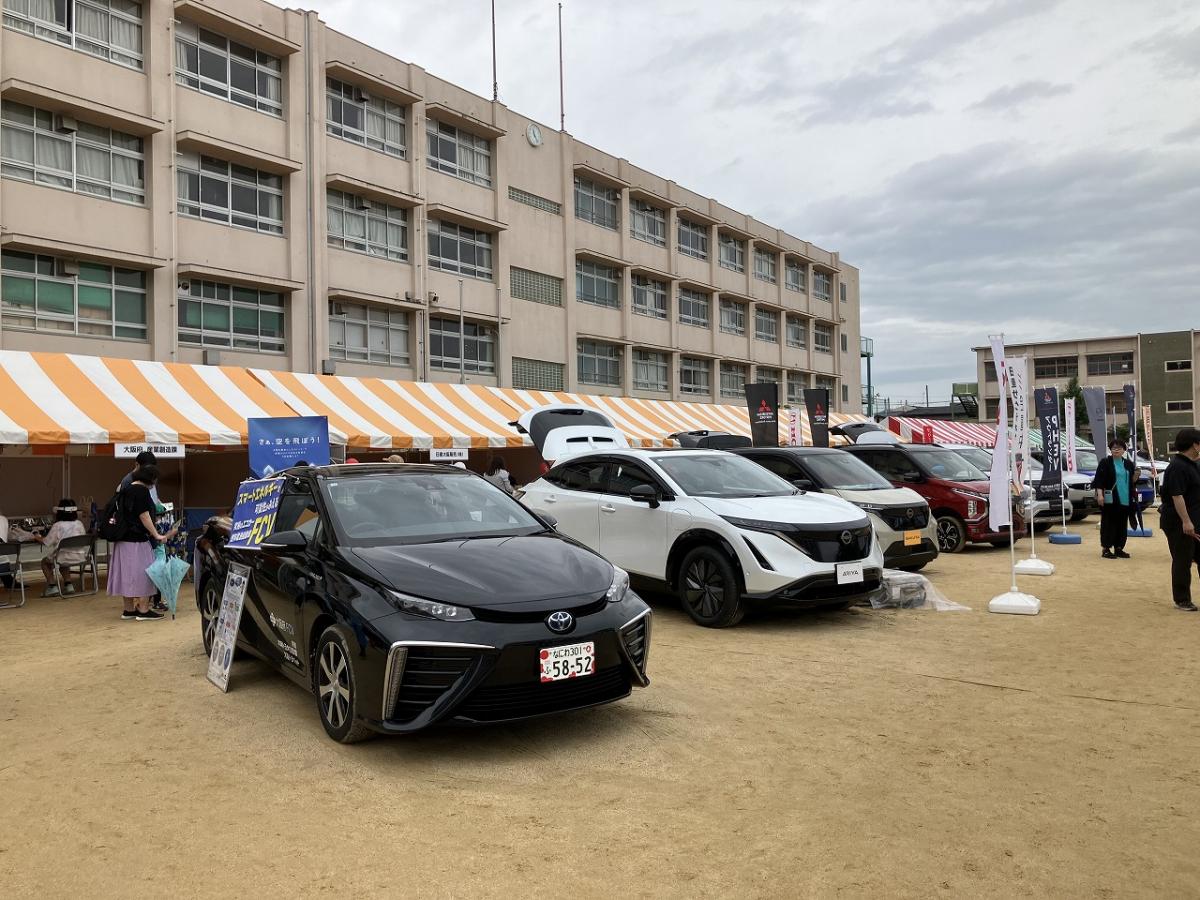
x=533, y=134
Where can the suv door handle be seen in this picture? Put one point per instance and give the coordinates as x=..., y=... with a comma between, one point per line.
x=608, y=509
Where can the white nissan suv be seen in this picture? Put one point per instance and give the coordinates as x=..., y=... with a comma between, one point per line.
x=720, y=530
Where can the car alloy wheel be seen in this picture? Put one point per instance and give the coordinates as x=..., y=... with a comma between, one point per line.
x=709, y=588
x=951, y=534
x=335, y=690
x=210, y=612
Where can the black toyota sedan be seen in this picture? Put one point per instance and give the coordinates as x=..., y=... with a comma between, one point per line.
x=404, y=595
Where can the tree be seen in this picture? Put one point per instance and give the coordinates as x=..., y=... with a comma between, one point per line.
x=1074, y=392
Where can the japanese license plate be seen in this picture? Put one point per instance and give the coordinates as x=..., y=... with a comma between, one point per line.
x=568, y=661
x=912, y=539
x=849, y=573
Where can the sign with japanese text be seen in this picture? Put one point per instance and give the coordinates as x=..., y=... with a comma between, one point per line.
x=795, y=435
x=278, y=444
x=229, y=619
x=161, y=451
x=447, y=454
x=254, y=512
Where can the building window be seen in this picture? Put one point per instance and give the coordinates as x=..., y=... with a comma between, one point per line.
x=794, y=276
x=767, y=376
x=823, y=337
x=733, y=380
x=695, y=376
x=766, y=265
x=733, y=317
x=208, y=62
x=110, y=29
x=845, y=393
x=458, y=153
x=537, y=375
x=597, y=284
x=478, y=343
x=693, y=307
x=596, y=204
x=650, y=370
x=821, y=285
x=46, y=148
x=989, y=371
x=796, y=383
x=766, y=326
x=520, y=196
x=1056, y=367
x=648, y=223
x=354, y=115
x=842, y=291
x=43, y=293
x=1177, y=365
x=365, y=226
x=368, y=334
x=845, y=343
x=528, y=285
x=1110, y=364
x=228, y=193
x=797, y=332
x=1179, y=406
x=214, y=314
x=733, y=253
x=599, y=363
x=693, y=239
x=822, y=382
x=649, y=297
x=457, y=248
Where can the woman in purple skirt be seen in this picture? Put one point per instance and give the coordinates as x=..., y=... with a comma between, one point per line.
x=129, y=557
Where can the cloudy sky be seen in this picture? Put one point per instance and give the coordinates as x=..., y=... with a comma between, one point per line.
x=1025, y=166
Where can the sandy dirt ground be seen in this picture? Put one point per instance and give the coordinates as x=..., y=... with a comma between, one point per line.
x=864, y=753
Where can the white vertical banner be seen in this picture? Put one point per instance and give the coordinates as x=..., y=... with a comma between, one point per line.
x=999, y=507
x=1069, y=422
x=1017, y=387
x=795, y=436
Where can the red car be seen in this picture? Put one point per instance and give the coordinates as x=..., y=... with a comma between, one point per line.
x=957, y=492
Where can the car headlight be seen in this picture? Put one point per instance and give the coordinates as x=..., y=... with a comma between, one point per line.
x=871, y=507
x=431, y=609
x=620, y=586
x=757, y=524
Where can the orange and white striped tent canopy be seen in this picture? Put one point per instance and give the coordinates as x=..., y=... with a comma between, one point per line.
x=63, y=398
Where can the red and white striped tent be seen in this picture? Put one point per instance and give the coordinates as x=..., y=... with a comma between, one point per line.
x=917, y=431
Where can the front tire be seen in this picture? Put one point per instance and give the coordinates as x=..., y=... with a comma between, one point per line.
x=210, y=611
x=337, y=697
x=951, y=533
x=709, y=589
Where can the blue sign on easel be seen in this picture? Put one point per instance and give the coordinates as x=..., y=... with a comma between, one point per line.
x=278, y=444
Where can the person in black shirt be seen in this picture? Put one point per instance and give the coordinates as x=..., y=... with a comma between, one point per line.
x=1180, y=515
x=129, y=557
x=1114, y=484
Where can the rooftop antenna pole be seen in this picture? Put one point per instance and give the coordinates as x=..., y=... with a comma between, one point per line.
x=495, y=80
x=562, y=109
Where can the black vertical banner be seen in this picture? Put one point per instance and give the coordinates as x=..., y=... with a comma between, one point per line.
x=762, y=402
x=817, y=402
x=1131, y=412
x=1045, y=404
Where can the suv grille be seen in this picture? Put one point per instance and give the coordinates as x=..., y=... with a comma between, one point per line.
x=827, y=546
x=531, y=698
x=428, y=673
x=898, y=518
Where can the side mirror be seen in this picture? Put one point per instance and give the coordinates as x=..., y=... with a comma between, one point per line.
x=805, y=484
x=645, y=493
x=285, y=542
x=551, y=521
x=912, y=478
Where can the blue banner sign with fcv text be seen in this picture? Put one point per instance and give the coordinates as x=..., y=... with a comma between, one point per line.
x=278, y=444
x=254, y=512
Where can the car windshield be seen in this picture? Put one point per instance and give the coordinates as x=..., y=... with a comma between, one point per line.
x=720, y=474
x=946, y=464
x=1086, y=460
x=413, y=508
x=841, y=471
x=976, y=456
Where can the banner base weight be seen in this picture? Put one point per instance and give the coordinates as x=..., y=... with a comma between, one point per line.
x=1034, y=567
x=1066, y=537
x=1015, y=603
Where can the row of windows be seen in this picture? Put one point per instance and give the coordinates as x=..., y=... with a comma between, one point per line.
x=229, y=193
x=365, y=226
x=1068, y=366
x=42, y=293
x=213, y=64
x=109, y=29
x=354, y=115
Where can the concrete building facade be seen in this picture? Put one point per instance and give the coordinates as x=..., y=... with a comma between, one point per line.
x=228, y=181
x=1162, y=366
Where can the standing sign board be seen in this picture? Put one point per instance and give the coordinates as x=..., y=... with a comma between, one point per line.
x=160, y=451
x=817, y=401
x=254, y=512
x=228, y=621
x=762, y=403
x=278, y=444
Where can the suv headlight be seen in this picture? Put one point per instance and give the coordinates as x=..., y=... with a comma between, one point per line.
x=871, y=507
x=756, y=524
x=620, y=586
x=431, y=609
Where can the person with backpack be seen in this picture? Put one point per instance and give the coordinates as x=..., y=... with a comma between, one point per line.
x=128, y=524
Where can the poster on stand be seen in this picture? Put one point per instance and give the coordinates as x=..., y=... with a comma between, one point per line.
x=817, y=402
x=1049, y=488
x=229, y=619
x=280, y=443
x=762, y=403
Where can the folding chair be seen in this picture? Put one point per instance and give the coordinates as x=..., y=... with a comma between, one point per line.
x=100, y=550
x=10, y=555
x=84, y=567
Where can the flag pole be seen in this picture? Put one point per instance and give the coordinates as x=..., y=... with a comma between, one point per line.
x=562, y=104
x=495, y=79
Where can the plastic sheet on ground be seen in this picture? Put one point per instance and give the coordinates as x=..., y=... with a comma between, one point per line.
x=911, y=590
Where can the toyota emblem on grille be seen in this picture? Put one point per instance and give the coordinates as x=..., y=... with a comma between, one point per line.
x=560, y=622
x=846, y=538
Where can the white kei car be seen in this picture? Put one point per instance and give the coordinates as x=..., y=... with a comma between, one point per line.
x=718, y=529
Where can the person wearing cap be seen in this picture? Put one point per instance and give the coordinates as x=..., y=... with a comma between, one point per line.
x=1180, y=515
x=66, y=525
x=1114, y=484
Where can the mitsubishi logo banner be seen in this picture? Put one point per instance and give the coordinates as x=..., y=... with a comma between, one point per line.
x=762, y=402
x=817, y=402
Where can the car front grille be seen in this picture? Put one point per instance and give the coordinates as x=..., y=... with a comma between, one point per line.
x=828, y=547
x=588, y=608
x=428, y=673
x=901, y=518
x=496, y=703
x=635, y=637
